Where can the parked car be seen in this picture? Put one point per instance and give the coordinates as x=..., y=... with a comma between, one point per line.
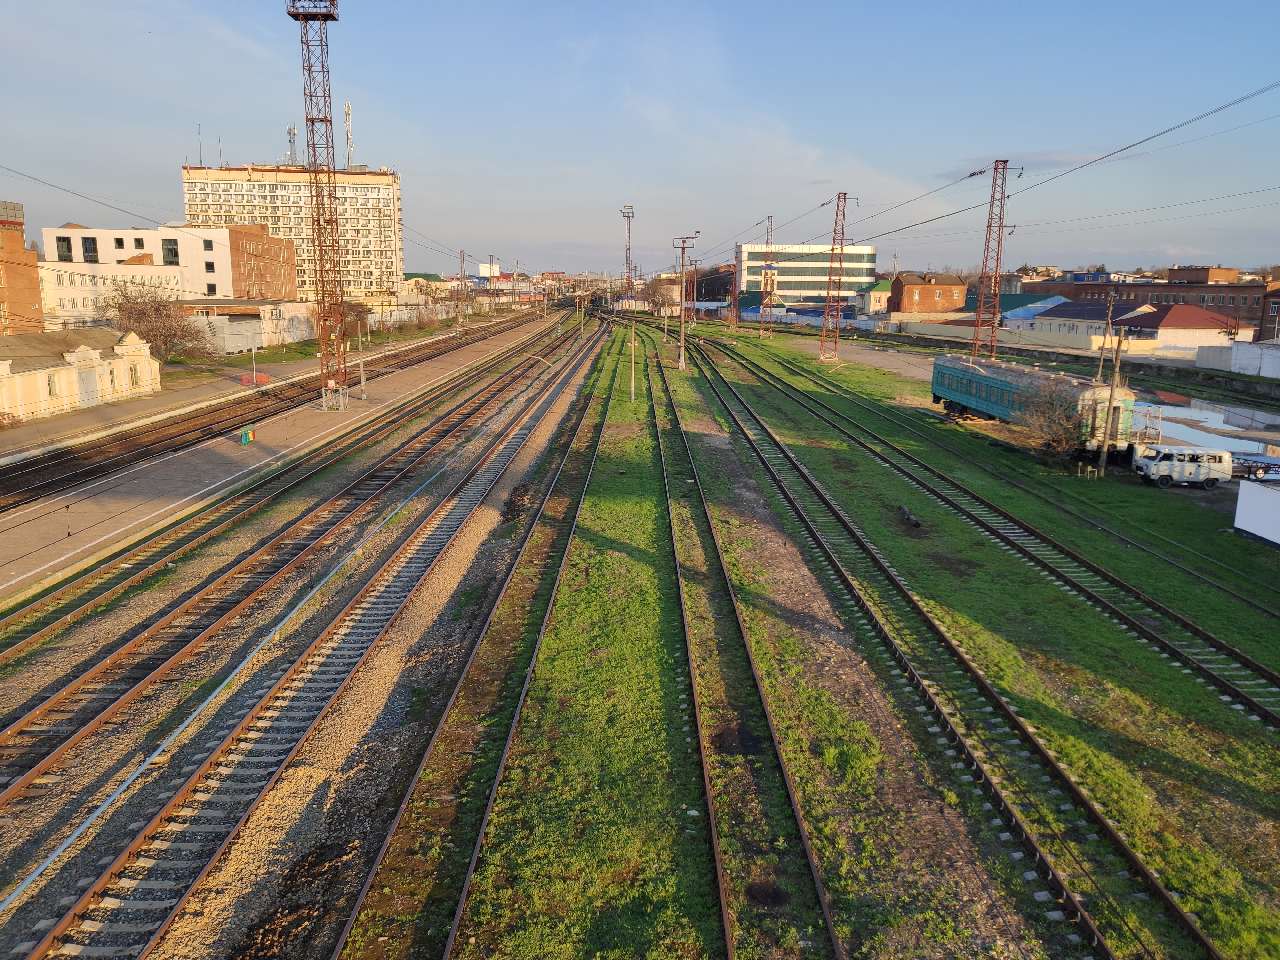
x=1166, y=465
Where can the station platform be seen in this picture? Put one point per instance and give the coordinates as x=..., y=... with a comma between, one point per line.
x=180, y=393
x=48, y=539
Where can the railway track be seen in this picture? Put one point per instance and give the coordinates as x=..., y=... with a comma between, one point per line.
x=128, y=908
x=33, y=743
x=1245, y=683
x=460, y=914
x=40, y=476
x=679, y=468
x=396, y=896
x=1177, y=548
x=1092, y=877
x=26, y=624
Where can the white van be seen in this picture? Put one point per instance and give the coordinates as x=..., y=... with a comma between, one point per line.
x=1165, y=466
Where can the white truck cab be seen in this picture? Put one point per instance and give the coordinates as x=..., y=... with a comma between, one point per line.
x=1166, y=465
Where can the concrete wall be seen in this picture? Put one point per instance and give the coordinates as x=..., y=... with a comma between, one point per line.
x=1258, y=510
x=86, y=378
x=1253, y=359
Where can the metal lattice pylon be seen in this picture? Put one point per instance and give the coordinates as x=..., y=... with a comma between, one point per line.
x=829, y=339
x=314, y=17
x=986, y=320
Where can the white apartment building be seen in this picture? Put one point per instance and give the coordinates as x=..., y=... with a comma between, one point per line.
x=180, y=261
x=370, y=229
x=71, y=294
x=802, y=270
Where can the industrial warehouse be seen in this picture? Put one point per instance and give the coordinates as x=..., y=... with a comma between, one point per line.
x=497, y=495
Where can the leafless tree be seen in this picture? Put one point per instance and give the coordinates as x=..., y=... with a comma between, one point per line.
x=156, y=320
x=1052, y=415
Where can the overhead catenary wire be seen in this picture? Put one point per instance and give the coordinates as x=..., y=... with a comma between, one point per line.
x=1267, y=88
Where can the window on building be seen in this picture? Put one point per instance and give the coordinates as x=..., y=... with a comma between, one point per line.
x=133, y=375
x=208, y=244
x=119, y=243
x=89, y=248
x=111, y=379
x=169, y=253
x=64, y=249
x=51, y=384
x=208, y=266
x=211, y=289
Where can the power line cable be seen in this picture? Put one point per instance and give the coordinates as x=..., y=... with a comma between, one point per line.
x=1089, y=163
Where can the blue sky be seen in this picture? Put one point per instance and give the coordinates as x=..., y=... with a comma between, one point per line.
x=520, y=129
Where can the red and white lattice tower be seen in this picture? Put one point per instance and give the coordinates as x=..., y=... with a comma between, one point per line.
x=314, y=17
x=986, y=321
x=829, y=340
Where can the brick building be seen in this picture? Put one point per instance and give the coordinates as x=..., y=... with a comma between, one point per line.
x=1270, y=328
x=927, y=293
x=1240, y=301
x=19, y=276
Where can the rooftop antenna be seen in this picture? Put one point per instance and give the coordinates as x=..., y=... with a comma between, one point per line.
x=200, y=145
x=293, y=144
x=351, y=143
x=220, y=163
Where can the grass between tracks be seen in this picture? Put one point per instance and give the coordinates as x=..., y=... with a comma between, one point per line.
x=598, y=842
x=412, y=897
x=770, y=890
x=885, y=903
x=1195, y=786
x=1121, y=501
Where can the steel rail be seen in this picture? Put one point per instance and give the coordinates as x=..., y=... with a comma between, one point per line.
x=465, y=892
x=87, y=591
x=131, y=446
x=183, y=630
x=334, y=657
x=1038, y=548
x=461, y=685
x=823, y=897
x=929, y=688
x=845, y=393
x=727, y=918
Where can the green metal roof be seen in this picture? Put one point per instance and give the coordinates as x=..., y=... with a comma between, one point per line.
x=432, y=277
x=1008, y=301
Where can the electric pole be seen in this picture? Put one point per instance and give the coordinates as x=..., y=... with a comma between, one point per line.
x=829, y=339
x=1102, y=351
x=1111, y=400
x=683, y=244
x=986, y=320
x=768, y=279
x=628, y=214
x=314, y=17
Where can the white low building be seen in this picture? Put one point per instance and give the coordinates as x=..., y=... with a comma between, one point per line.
x=239, y=326
x=42, y=374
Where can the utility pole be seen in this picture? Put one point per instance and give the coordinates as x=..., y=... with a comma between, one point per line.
x=829, y=339
x=733, y=296
x=314, y=17
x=986, y=320
x=683, y=244
x=628, y=214
x=462, y=281
x=768, y=279
x=1111, y=399
x=1102, y=350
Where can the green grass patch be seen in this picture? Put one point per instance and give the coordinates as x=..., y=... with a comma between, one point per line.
x=598, y=844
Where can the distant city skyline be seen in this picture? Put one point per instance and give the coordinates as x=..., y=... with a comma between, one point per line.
x=522, y=136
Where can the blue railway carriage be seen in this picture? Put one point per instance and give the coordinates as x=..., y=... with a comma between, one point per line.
x=999, y=390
